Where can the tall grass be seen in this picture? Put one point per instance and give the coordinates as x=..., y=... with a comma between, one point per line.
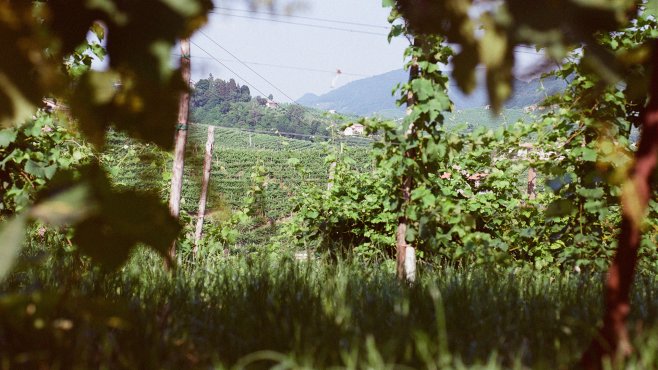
x=258, y=312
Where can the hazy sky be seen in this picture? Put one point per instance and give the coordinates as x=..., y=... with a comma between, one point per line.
x=299, y=52
x=279, y=49
x=271, y=41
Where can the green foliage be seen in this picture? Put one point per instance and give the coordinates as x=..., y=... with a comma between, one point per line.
x=469, y=201
x=411, y=152
x=285, y=166
x=141, y=63
x=138, y=95
x=210, y=92
x=135, y=165
x=351, y=218
x=86, y=200
x=227, y=104
x=556, y=26
x=31, y=155
x=475, y=118
x=474, y=208
x=223, y=312
x=591, y=133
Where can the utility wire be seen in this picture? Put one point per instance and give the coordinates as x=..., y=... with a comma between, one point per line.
x=307, y=69
x=531, y=50
x=246, y=65
x=303, y=17
x=320, y=20
x=210, y=56
x=282, y=66
x=303, y=24
x=229, y=69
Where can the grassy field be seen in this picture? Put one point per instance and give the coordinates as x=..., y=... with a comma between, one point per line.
x=265, y=311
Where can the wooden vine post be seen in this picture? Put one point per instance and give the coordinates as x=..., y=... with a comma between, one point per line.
x=532, y=174
x=332, y=168
x=180, y=138
x=405, y=253
x=532, y=183
x=612, y=342
x=207, y=169
x=332, y=173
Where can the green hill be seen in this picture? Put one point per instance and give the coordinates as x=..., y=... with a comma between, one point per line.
x=227, y=104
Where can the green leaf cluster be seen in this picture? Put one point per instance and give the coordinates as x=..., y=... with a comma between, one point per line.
x=138, y=94
x=469, y=199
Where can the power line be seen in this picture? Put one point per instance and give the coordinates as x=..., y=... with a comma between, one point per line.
x=304, y=17
x=530, y=49
x=246, y=65
x=302, y=24
x=218, y=60
x=306, y=69
x=229, y=69
x=282, y=66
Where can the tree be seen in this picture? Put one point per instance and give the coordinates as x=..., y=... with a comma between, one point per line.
x=201, y=92
x=245, y=94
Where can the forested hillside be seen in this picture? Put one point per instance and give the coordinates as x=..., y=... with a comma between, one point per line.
x=226, y=103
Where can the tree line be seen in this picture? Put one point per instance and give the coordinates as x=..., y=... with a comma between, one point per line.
x=226, y=103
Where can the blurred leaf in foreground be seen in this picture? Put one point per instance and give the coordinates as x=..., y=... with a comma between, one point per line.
x=12, y=234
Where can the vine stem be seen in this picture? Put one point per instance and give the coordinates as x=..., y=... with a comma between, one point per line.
x=403, y=268
x=613, y=343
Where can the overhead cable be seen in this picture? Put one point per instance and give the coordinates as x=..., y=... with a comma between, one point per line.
x=229, y=69
x=302, y=24
x=282, y=66
x=303, y=17
x=246, y=65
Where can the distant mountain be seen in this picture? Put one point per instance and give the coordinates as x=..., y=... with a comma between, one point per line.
x=372, y=96
x=363, y=97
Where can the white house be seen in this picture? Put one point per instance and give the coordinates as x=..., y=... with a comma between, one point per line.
x=355, y=129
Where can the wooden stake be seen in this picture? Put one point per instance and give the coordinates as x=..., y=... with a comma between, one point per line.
x=181, y=138
x=332, y=172
x=410, y=264
x=532, y=183
x=207, y=169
